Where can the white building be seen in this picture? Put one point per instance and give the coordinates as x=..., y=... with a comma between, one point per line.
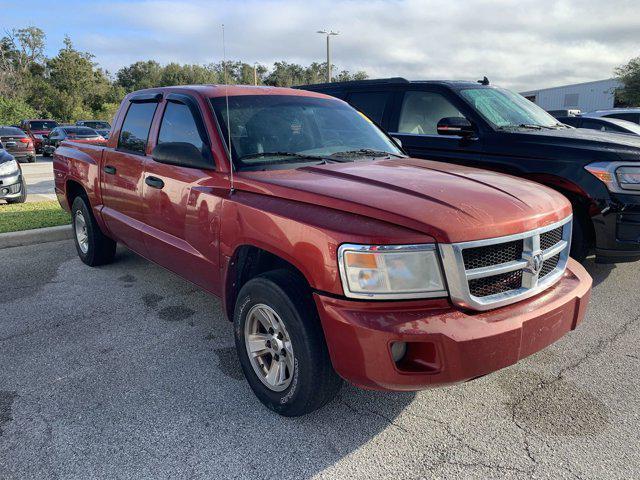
x=589, y=96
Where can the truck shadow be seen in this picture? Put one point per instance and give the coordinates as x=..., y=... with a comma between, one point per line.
x=219, y=413
x=598, y=271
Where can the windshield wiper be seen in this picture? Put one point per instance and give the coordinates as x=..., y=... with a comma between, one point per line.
x=279, y=154
x=530, y=126
x=365, y=152
x=299, y=157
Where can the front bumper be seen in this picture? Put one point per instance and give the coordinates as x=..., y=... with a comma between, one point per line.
x=10, y=186
x=617, y=230
x=445, y=344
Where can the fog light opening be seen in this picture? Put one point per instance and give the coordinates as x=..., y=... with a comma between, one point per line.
x=398, y=351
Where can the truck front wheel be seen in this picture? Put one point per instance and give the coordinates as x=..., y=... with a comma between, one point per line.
x=94, y=247
x=281, y=346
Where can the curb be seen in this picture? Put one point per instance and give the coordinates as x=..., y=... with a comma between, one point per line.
x=38, y=235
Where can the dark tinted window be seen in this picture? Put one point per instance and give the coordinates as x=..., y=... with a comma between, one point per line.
x=573, y=121
x=372, y=104
x=178, y=125
x=632, y=117
x=11, y=131
x=81, y=131
x=43, y=125
x=94, y=125
x=135, y=128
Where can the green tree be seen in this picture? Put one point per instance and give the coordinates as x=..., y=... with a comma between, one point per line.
x=21, y=51
x=629, y=75
x=285, y=74
x=139, y=75
x=76, y=88
x=12, y=110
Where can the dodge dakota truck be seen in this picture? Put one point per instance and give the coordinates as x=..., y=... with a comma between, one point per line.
x=334, y=254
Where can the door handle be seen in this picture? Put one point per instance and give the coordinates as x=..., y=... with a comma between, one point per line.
x=154, y=182
x=109, y=169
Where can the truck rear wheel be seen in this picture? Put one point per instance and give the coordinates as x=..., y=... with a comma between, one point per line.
x=281, y=346
x=94, y=247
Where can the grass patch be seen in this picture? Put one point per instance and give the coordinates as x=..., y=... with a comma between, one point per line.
x=25, y=216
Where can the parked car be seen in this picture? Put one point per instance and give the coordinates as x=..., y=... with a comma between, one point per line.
x=37, y=129
x=484, y=126
x=603, y=124
x=77, y=134
x=335, y=255
x=629, y=114
x=103, y=128
x=17, y=143
x=13, y=188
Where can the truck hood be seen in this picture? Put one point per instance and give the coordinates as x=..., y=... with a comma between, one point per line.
x=591, y=142
x=451, y=203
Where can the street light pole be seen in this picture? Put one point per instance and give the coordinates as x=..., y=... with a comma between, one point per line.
x=329, y=34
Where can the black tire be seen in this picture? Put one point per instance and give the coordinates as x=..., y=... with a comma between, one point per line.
x=314, y=382
x=45, y=153
x=580, y=240
x=23, y=193
x=32, y=159
x=100, y=249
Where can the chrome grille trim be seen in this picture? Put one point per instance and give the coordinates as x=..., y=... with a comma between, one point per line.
x=458, y=277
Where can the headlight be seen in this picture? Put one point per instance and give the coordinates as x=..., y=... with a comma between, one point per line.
x=390, y=271
x=628, y=178
x=619, y=177
x=9, y=168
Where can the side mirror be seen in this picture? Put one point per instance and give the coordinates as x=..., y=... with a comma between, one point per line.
x=182, y=154
x=398, y=141
x=457, y=126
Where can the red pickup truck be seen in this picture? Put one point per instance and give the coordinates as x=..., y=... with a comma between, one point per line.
x=335, y=255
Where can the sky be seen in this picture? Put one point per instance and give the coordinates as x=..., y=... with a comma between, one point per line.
x=521, y=44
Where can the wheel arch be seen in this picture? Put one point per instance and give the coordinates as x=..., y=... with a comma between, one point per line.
x=583, y=205
x=247, y=262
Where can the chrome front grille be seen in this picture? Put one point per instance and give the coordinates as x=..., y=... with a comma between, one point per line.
x=491, y=273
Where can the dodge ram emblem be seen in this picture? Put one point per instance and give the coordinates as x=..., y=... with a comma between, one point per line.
x=534, y=265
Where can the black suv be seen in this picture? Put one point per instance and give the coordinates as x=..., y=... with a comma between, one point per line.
x=476, y=124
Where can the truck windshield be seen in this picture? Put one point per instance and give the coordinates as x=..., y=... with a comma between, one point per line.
x=290, y=129
x=505, y=109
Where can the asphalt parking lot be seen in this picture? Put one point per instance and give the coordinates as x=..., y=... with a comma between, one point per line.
x=127, y=371
x=39, y=177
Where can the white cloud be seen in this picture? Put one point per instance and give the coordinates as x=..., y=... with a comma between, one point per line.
x=519, y=44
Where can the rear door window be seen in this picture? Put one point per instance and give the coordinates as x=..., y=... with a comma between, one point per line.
x=421, y=111
x=135, y=128
x=372, y=104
